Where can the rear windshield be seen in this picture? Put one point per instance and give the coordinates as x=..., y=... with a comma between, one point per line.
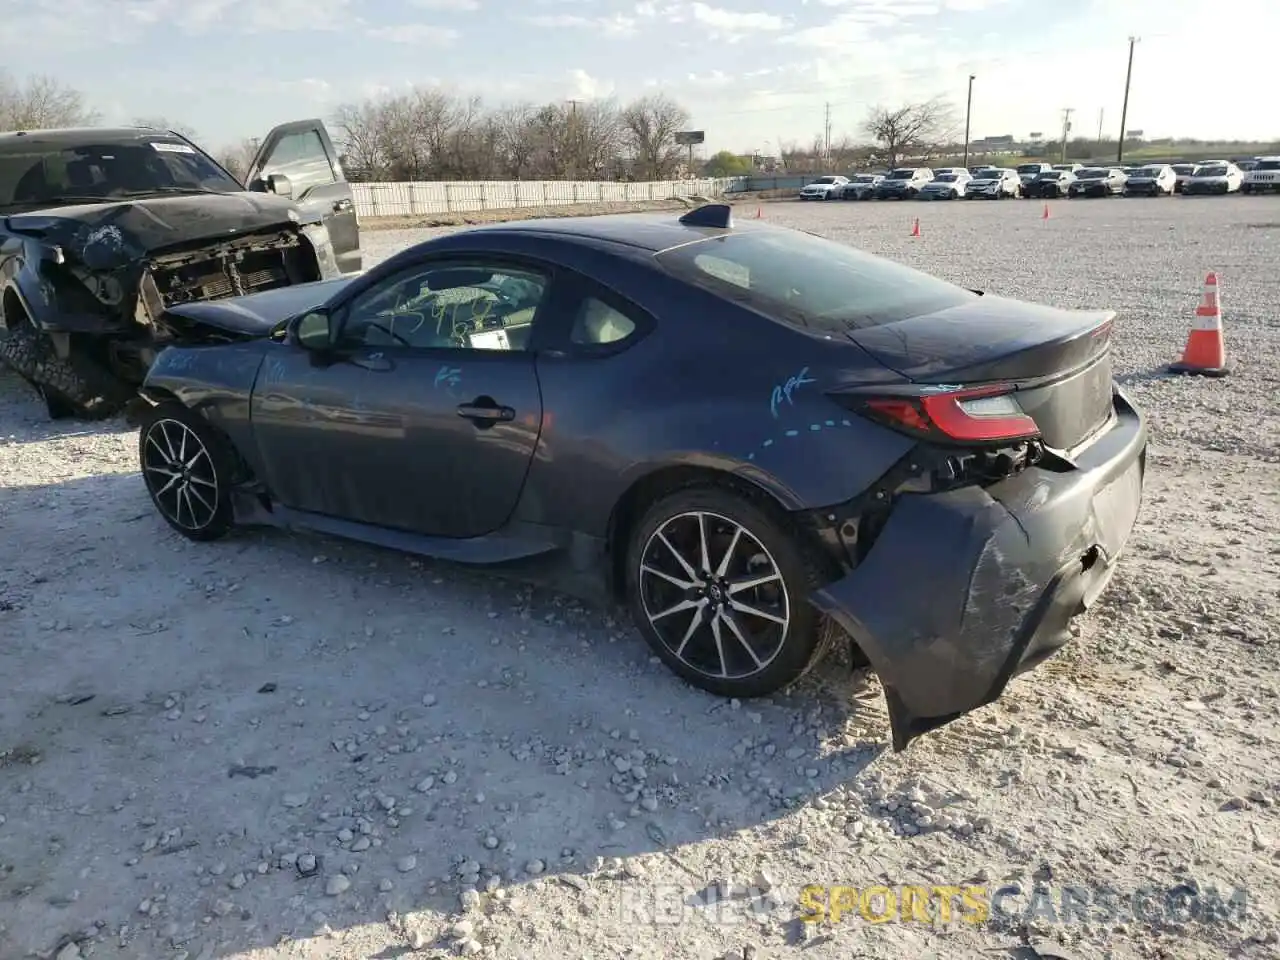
x=1093, y=174
x=1050, y=175
x=808, y=282
x=902, y=175
x=825, y=180
x=947, y=177
x=1183, y=168
x=1211, y=172
x=36, y=173
x=992, y=174
x=1148, y=172
x=1031, y=168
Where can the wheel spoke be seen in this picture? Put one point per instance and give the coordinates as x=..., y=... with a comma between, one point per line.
x=182, y=445
x=693, y=574
x=715, y=632
x=674, y=581
x=193, y=492
x=732, y=624
x=702, y=543
x=694, y=623
x=682, y=605
x=752, y=582
x=740, y=607
x=174, y=480
x=723, y=569
x=204, y=483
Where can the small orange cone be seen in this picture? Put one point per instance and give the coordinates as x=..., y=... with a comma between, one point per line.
x=1205, y=354
x=1045, y=215
x=915, y=227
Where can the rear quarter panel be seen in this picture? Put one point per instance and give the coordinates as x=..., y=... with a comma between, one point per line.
x=713, y=386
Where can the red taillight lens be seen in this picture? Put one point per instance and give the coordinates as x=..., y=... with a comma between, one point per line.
x=976, y=415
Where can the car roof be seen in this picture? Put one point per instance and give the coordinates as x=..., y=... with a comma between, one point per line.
x=73, y=136
x=646, y=231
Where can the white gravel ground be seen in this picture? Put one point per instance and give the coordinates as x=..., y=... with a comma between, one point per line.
x=279, y=746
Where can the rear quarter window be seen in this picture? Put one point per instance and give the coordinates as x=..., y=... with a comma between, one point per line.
x=810, y=283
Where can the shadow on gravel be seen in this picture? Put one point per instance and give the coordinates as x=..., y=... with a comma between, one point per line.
x=243, y=741
x=26, y=420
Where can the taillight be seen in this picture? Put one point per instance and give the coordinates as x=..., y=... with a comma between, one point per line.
x=989, y=414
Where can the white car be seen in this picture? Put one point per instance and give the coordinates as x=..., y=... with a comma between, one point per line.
x=1263, y=178
x=860, y=186
x=994, y=183
x=1214, y=176
x=824, y=188
x=1153, y=180
x=948, y=185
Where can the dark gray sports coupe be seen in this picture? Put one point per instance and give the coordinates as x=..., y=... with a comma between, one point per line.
x=760, y=440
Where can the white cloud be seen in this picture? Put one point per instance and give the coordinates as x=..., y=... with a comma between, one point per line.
x=418, y=34
x=617, y=25
x=733, y=25
x=583, y=86
x=452, y=6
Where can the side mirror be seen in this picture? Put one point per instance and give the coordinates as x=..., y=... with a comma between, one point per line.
x=279, y=184
x=313, y=331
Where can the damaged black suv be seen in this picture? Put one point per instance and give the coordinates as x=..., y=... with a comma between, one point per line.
x=102, y=230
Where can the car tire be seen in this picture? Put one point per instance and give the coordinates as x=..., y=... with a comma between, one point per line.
x=746, y=542
x=188, y=468
x=74, y=387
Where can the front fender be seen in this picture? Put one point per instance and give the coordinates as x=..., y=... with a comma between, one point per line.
x=51, y=303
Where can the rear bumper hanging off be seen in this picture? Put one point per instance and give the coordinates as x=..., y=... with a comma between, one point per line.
x=964, y=590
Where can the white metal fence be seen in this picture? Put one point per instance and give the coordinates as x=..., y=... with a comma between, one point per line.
x=417, y=199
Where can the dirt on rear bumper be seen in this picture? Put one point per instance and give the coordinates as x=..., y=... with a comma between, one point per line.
x=964, y=590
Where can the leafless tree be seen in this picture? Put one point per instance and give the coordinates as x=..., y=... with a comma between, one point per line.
x=650, y=126
x=433, y=134
x=915, y=129
x=163, y=123
x=236, y=158
x=41, y=102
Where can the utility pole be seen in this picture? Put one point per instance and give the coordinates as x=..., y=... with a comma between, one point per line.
x=1124, y=111
x=826, y=143
x=1101, y=112
x=1066, y=129
x=968, y=112
x=573, y=106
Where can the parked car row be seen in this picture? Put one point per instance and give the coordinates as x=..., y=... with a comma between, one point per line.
x=1051, y=181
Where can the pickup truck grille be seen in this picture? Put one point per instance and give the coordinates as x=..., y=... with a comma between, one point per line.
x=228, y=269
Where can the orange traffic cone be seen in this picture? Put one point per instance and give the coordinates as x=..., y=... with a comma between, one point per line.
x=1045, y=215
x=759, y=213
x=1205, y=354
x=915, y=227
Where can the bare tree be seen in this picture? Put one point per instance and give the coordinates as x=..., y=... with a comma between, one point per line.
x=163, y=123
x=41, y=102
x=237, y=157
x=432, y=134
x=650, y=125
x=913, y=129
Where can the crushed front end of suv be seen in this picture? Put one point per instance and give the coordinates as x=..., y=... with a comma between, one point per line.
x=103, y=230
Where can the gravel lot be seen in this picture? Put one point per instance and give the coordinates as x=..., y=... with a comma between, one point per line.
x=281, y=746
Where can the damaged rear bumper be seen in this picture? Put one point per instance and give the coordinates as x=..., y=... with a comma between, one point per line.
x=963, y=590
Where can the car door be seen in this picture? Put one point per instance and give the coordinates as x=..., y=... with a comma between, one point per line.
x=428, y=416
x=303, y=152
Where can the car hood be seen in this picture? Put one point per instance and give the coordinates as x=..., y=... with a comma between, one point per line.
x=110, y=234
x=256, y=314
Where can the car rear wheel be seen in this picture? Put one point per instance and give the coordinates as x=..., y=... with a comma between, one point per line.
x=188, y=468
x=719, y=587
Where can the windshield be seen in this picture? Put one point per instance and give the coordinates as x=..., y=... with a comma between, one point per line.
x=902, y=175
x=1050, y=175
x=1268, y=165
x=808, y=282
x=991, y=174
x=946, y=178
x=1216, y=171
x=1031, y=168
x=36, y=174
x=825, y=180
x=865, y=178
x=1183, y=168
x=1151, y=172
x=1092, y=174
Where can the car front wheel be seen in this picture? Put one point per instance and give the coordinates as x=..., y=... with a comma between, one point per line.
x=719, y=587
x=188, y=468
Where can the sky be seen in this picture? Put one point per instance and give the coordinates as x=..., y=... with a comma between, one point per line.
x=752, y=73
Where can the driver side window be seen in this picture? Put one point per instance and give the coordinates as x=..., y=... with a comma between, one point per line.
x=452, y=305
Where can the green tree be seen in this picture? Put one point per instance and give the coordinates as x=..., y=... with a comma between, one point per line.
x=727, y=164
